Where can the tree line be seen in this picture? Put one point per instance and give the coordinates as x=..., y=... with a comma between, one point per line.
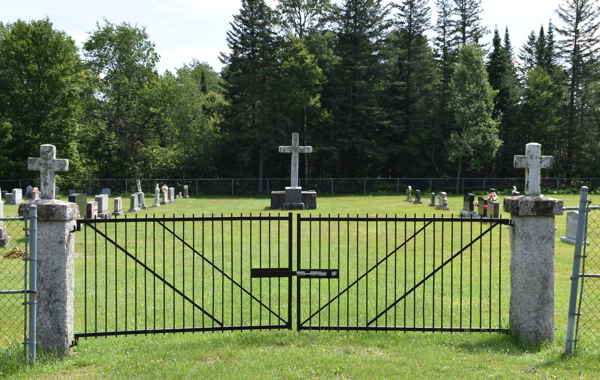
x=362, y=82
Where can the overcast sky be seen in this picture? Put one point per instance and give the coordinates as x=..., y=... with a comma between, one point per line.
x=187, y=29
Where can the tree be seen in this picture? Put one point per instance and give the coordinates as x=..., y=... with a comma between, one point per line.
x=120, y=109
x=468, y=25
x=579, y=47
x=255, y=123
x=302, y=17
x=476, y=134
x=445, y=43
x=40, y=77
x=528, y=54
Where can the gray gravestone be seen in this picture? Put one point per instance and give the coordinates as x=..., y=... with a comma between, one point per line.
x=165, y=197
x=482, y=209
x=432, y=201
x=468, y=208
x=118, y=209
x=493, y=209
x=35, y=194
x=72, y=192
x=16, y=198
x=91, y=210
x=409, y=194
x=106, y=191
x=81, y=200
x=417, y=197
x=102, y=201
x=171, y=194
x=4, y=238
x=571, y=222
x=443, y=202
x=134, y=203
x=533, y=162
x=47, y=165
x=142, y=201
x=156, y=197
x=185, y=191
x=28, y=191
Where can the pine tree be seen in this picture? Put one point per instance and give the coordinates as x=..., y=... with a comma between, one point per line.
x=527, y=54
x=540, y=47
x=468, y=24
x=254, y=117
x=550, y=54
x=580, y=46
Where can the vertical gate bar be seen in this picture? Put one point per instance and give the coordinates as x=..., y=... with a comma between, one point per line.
x=396, y=269
x=298, y=253
x=260, y=280
x=340, y=267
x=500, y=277
x=490, y=282
x=357, y=265
x=145, y=273
x=212, y=234
x=164, y=256
x=460, y=313
x=222, y=272
x=32, y=283
x=116, y=283
x=85, y=273
x=194, y=270
x=105, y=279
x=348, y=269
x=183, y=269
x=241, y=269
x=250, y=223
x=583, y=271
x=452, y=275
x=415, y=270
x=96, y=281
x=366, y=268
x=471, y=280
x=376, y=269
x=579, y=239
x=174, y=279
x=231, y=261
x=442, y=284
x=319, y=266
x=433, y=269
x=126, y=285
x=480, y=274
x=269, y=245
x=329, y=266
x=135, y=277
x=154, y=267
x=386, y=269
x=309, y=265
x=425, y=265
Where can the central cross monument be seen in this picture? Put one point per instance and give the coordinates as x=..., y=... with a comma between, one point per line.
x=294, y=196
x=47, y=164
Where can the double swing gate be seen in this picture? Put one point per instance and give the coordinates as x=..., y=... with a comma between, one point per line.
x=218, y=273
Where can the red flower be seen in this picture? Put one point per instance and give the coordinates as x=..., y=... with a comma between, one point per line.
x=485, y=207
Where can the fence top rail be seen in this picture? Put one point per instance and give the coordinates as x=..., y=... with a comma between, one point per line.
x=184, y=219
x=13, y=218
x=304, y=179
x=402, y=219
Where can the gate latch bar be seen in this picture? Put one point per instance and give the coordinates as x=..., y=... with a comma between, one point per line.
x=284, y=272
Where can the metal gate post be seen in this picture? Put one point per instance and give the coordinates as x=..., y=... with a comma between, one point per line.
x=32, y=341
x=583, y=194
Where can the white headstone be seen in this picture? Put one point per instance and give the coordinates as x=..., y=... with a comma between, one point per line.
x=295, y=149
x=47, y=164
x=139, y=185
x=533, y=162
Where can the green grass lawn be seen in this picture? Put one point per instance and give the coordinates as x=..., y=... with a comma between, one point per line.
x=290, y=354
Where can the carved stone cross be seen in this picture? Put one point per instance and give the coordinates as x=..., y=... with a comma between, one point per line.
x=533, y=162
x=47, y=165
x=295, y=149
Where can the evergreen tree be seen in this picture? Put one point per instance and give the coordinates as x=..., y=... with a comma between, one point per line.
x=476, y=134
x=579, y=47
x=527, y=54
x=468, y=23
x=550, y=60
x=254, y=119
x=540, y=47
x=303, y=17
x=445, y=43
x=508, y=46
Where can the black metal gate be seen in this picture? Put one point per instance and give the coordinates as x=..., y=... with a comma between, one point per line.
x=403, y=273
x=182, y=274
x=217, y=273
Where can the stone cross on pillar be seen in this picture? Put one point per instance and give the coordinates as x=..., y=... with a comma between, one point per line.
x=295, y=149
x=533, y=162
x=47, y=165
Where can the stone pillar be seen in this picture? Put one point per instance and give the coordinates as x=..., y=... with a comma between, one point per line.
x=55, y=272
x=532, y=241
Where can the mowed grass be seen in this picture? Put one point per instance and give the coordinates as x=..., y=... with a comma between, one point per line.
x=290, y=354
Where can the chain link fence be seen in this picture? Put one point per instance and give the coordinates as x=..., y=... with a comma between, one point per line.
x=588, y=321
x=243, y=186
x=13, y=279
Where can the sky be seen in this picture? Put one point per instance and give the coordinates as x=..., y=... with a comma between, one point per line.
x=183, y=30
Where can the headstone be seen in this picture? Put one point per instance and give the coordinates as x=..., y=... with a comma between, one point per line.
x=16, y=198
x=81, y=200
x=47, y=164
x=443, y=202
x=141, y=200
x=409, y=194
x=185, y=191
x=417, y=197
x=118, y=209
x=35, y=194
x=92, y=210
x=156, y=197
x=138, y=185
x=4, y=238
x=571, y=222
x=165, y=197
x=293, y=194
x=493, y=210
x=432, y=201
x=28, y=191
x=4, y=192
x=482, y=207
x=171, y=194
x=106, y=191
x=180, y=195
x=72, y=192
x=102, y=201
x=468, y=208
x=134, y=203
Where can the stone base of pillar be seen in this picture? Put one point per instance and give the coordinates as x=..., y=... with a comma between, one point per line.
x=293, y=206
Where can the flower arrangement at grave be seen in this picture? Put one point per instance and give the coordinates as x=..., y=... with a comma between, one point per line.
x=485, y=207
x=35, y=189
x=165, y=187
x=475, y=203
x=493, y=197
